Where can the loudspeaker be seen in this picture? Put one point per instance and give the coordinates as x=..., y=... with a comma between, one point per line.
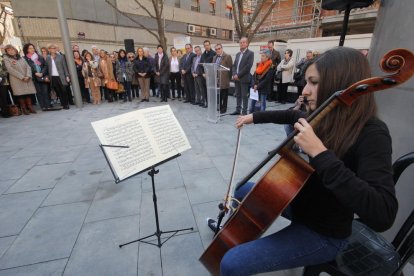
x=341, y=5
x=129, y=45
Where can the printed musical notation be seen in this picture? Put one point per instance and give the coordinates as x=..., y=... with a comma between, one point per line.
x=152, y=135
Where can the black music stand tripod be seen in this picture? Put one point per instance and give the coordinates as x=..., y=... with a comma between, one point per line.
x=158, y=233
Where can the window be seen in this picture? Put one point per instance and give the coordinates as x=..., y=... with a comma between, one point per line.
x=228, y=13
x=195, y=5
x=213, y=8
x=177, y=4
x=227, y=34
x=204, y=31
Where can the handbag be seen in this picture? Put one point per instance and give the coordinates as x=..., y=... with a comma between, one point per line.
x=112, y=84
x=120, y=88
x=13, y=110
x=278, y=76
x=297, y=76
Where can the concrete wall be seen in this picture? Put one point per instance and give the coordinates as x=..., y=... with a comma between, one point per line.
x=104, y=26
x=394, y=29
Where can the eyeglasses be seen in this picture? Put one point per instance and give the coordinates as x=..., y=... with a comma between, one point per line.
x=217, y=49
x=130, y=57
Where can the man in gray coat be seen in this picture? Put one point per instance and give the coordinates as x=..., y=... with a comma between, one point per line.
x=241, y=75
x=59, y=74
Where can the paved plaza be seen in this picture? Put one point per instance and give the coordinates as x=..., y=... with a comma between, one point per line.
x=62, y=214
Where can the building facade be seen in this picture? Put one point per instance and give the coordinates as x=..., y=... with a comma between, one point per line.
x=96, y=22
x=295, y=19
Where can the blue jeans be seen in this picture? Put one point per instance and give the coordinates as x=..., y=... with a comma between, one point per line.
x=293, y=246
x=127, y=87
x=262, y=98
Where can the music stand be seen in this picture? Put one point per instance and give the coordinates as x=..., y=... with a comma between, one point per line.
x=151, y=172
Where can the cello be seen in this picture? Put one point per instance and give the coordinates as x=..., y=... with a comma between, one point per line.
x=287, y=176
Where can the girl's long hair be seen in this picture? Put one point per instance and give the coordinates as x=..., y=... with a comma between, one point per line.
x=339, y=68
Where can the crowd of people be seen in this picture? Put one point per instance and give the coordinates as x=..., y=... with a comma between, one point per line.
x=43, y=77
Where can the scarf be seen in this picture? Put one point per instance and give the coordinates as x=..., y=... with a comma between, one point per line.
x=262, y=67
x=34, y=57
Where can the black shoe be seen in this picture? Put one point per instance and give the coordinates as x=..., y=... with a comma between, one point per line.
x=235, y=113
x=194, y=103
x=212, y=224
x=204, y=106
x=222, y=111
x=143, y=100
x=186, y=101
x=66, y=107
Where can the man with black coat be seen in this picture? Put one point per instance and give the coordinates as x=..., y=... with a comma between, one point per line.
x=276, y=59
x=162, y=72
x=185, y=68
x=206, y=57
x=241, y=76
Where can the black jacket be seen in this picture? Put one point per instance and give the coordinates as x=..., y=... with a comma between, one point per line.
x=142, y=66
x=43, y=66
x=264, y=82
x=361, y=183
x=186, y=62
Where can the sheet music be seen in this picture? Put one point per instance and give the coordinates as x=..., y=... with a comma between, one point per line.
x=152, y=134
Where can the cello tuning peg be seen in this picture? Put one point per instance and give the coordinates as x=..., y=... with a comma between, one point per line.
x=389, y=81
x=361, y=88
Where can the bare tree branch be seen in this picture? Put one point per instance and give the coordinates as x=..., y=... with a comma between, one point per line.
x=133, y=20
x=158, y=6
x=144, y=8
x=260, y=23
x=236, y=18
x=243, y=29
x=256, y=12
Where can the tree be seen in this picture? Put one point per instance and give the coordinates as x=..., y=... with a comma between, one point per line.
x=3, y=24
x=250, y=28
x=155, y=12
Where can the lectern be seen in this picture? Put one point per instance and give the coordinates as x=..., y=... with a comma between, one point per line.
x=213, y=77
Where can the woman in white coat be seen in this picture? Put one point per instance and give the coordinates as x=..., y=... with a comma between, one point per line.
x=286, y=66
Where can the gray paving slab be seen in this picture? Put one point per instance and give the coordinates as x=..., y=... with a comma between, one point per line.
x=169, y=176
x=224, y=163
x=13, y=215
x=5, y=185
x=61, y=156
x=97, y=249
x=191, y=160
x=201, y=213
x=215, y=148
x=116, y=200
x=74, y=187
x=39, y=177
x=49, y=235
x=174, y=211
x=52, y=268
x=5, y=243
x=185, y=260
x=7, y=152
x=204, y=185
x=90, y=160
x=149, y=260
x=15, y=168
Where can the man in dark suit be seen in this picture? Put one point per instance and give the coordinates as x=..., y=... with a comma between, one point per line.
x=223, y=76
x=241, y=76
x=275, y=60
x=185, y=68
x=59, y=74
x=162, y=72
x=199, y=82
